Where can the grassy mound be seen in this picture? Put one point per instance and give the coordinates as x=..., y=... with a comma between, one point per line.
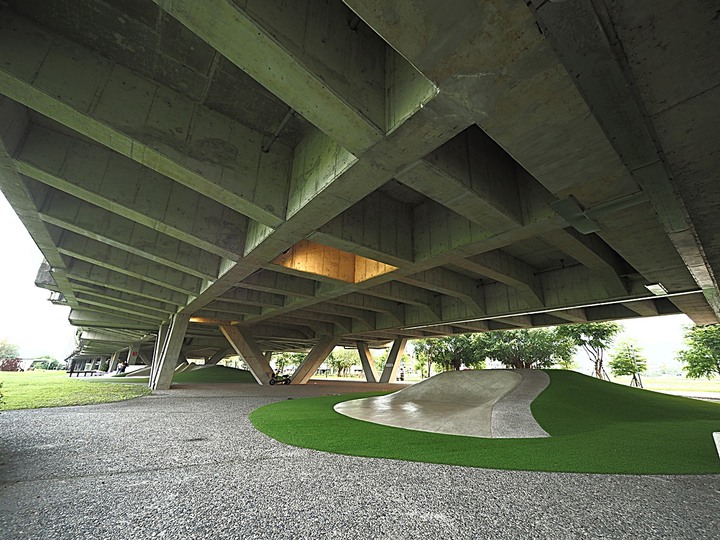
x=595, y=427
x=201, y=374
x=214, y=374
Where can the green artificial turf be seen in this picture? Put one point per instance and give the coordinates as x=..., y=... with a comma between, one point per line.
x=210, y=374
x=595, y=427
x=38, y=389
x=214, y=374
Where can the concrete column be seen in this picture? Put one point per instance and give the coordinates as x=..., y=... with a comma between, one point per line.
x=248, y=349
x=144, y=358
x=157, y=350
x=391, y=366
x=315, y=357
x=219, y=355
x=114, y=359
x=368, y=365
x=171, y=350
x=132, y=355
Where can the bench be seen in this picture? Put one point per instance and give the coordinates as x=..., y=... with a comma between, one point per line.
x=84, y=372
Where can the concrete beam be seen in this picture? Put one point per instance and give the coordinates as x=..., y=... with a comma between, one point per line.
x=314, y=358
x=474, y=177
x=110, y=181
x=127, y=113
x=392, y=364
x=325, y=78
x=218, y=355
x=104, y=256
x=590, y=251
x=371, y=374
x=444, y=281
x=501, y=267
x=67, y=212
x=246, y=346
x=85, y=272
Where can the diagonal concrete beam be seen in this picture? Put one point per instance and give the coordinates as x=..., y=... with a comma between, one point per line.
x=501, y=267
x=85, y=272
x=64, y=211
x=471, y=175
x=105, y=179
x=590, y=251
x=444, y=281
x=389, y=373
x=246, y=346
x=127, y=113
x=314, y=358
x=321, y=77
x=122, y=262
x=371, y=374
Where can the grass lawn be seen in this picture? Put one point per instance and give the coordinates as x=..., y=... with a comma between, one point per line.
x=595, y=427
x=210, y=374
x=37, y=389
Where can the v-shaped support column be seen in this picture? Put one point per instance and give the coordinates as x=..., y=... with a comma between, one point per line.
x=391, y=366
x=314, y=358
x=248, y=349
x=368, y=365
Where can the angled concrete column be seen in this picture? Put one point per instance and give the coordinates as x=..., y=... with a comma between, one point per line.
x=368, y=365
x=219, y=355
x=114, y=359
x=132, y=356
x=248, y=349
x=157, y=350
x=171, y=351
x=144, y=358
x=391, y=366
x=315, y=357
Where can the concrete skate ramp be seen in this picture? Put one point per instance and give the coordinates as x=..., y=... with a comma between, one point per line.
x=483, y=403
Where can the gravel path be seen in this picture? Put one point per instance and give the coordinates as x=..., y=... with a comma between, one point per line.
x=188, y=464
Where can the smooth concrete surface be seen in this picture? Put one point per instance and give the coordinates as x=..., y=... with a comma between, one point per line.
x=511, y=415
x=716, y=437
x=459, y=403
x=188, y=464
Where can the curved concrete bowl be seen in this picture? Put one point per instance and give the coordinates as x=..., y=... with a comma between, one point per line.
x=482, y=403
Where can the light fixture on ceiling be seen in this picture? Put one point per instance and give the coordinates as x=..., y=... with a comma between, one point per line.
x=657, y=289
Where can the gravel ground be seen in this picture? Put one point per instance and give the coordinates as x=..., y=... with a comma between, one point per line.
x=188, y=464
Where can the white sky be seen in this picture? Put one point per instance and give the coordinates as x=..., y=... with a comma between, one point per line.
x=27, y=318
x=38, y=327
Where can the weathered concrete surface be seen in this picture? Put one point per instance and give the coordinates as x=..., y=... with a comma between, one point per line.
x=482, y=403
x=188, y=464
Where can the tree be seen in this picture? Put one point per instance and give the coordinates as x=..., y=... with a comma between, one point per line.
x=595, y=338
x=627, y=359
x=702, y=358
x=342, y=360
x=527, y=349
x=8, y=350
x=449, y=353
x=287, y=360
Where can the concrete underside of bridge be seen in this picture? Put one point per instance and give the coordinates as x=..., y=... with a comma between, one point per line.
x=290, y=176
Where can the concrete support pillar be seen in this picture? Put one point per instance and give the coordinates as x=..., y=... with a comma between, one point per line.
x=315, y=357
x=144, y=358
x=391, y=366
x=368, y=365
x=132, y=357
x=219, y=355
x=114, y=359
x=157, y=350
x=171, y=350
x=248, y=349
